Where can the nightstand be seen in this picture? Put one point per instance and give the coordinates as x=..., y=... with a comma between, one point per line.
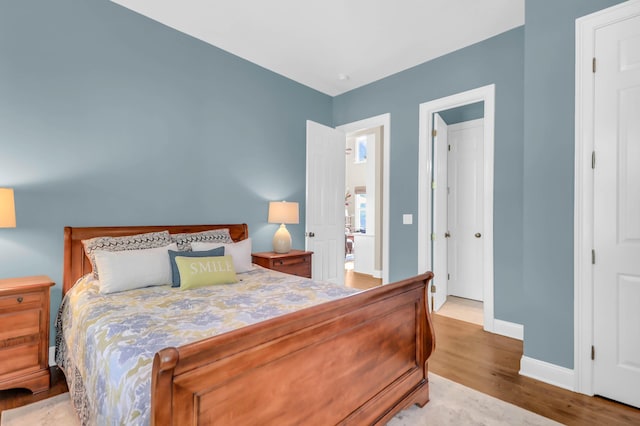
x=24, y=333
x=296, y=262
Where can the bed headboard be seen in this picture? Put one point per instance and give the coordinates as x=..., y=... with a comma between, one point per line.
x=76, y=264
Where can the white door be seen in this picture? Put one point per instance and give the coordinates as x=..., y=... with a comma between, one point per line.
x=466, y=196
x=438, y=238
x=325, y=202
x=616, y=271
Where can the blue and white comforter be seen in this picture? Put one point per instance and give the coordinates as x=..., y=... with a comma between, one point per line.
x=106, y=342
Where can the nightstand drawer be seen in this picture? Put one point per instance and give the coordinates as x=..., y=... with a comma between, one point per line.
x=19, y=324
x=296, y=262
x=21, y=299
x=19, y=359
x=289, y=261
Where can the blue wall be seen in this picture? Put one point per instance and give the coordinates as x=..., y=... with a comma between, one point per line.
x=498, y=60
x=549, y=175
x=109, y=118
x=463, y=113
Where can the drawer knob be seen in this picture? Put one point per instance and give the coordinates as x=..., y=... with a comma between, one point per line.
x=281, y=262
x=20, y=299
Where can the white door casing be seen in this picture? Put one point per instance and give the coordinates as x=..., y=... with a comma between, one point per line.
x=425, y=155
x=607, y=203
x=465, y=209
x=325, y=202
x=616, y=273
x=440, y=226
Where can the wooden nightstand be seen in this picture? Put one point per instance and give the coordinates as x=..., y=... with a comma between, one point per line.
x=24, y=333
x=296, y=262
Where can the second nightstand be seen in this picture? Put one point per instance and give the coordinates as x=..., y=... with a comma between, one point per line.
x=24, y=333
x=296, y=262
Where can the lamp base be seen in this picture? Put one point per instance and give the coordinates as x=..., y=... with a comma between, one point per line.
x=282, y=240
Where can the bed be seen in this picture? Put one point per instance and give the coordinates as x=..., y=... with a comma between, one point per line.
x=358, y=359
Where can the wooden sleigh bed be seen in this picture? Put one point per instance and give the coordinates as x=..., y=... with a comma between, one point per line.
x=357, y=360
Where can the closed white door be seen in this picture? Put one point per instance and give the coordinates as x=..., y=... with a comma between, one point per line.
x=325, y=202
x=466, y=196
x=438, y=236
x=616, y=270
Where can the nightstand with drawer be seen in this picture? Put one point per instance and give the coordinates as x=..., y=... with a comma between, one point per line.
x=296, y=262
x=24, y=333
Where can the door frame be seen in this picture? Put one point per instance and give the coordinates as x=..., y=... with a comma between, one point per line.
x=583, y=312
x=383, y=120
x=425, y=157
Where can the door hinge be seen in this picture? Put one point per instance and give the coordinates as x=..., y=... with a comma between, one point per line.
x=433, y=288
x=433, y=236
x=593, y=64
x=593, y=352
x=433, y=184
x=448, y=277
x=449, y=147
x=593, y=256
x=434, y=133
x=593, y=160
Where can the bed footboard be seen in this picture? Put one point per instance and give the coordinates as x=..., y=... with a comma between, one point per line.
x=357, y=360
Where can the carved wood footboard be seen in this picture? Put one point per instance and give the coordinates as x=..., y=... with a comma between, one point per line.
x=357, y=360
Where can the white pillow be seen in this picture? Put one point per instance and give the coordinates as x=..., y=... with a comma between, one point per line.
x=240, y=252
x=130, y=269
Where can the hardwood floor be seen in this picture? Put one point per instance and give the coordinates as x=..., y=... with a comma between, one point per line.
x=489, y=363
x=468, y=355
x=360, y=281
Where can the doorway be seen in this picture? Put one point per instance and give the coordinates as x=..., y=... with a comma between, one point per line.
x=363, y=207
x=325, y=212
x=431, y=211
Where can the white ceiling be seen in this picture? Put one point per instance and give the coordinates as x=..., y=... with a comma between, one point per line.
x=317, y=42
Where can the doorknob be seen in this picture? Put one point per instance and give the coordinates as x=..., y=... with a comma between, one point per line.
x=478, y=235
x=310, y=234
x=447, y=234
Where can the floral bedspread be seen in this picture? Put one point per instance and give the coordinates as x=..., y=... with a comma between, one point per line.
x=106, y=343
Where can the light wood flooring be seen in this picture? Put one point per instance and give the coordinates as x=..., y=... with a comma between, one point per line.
x=463, y=309
x=468, y=355
x=360, y=281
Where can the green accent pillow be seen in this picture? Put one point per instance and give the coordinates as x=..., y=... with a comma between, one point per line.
x=202, y=271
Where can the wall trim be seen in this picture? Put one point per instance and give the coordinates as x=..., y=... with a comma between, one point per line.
x=425, y=155
x=586, y=27
x=508, y=329
x=546, y=372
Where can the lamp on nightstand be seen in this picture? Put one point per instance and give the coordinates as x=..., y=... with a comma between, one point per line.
x=283, y=213
x=7, y=208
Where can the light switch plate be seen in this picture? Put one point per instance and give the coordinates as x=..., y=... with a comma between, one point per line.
x=407, y=219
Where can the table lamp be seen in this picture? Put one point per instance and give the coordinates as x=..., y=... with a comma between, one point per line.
x=282, y=212
x=7, y=208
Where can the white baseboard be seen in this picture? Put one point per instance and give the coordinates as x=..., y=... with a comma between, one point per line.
x=52, y=356
x=547, y=372
x=508, y=329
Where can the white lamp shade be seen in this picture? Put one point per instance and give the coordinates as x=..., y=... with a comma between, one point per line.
x=7, y=208
x=283, y=212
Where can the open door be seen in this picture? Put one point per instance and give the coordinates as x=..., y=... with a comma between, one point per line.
x=325, y=235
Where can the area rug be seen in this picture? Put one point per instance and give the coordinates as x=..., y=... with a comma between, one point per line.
x=450, y=404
